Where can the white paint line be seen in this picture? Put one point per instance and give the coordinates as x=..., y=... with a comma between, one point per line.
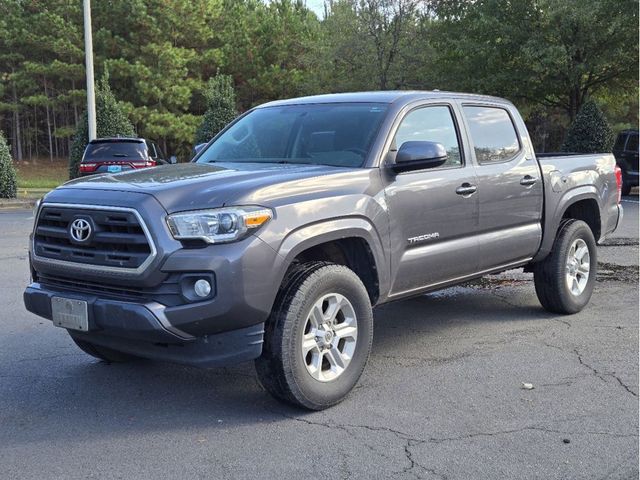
x=631, y=201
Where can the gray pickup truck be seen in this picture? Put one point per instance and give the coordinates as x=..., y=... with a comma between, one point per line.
x=285, y=230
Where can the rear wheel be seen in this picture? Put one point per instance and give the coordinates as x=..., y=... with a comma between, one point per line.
x=318, y=337
x=564, y=280
x=102, y=353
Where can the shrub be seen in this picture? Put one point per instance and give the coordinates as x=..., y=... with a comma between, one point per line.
x=8, y=179
x=111, y=121
x=221, y=101
x=590, y=132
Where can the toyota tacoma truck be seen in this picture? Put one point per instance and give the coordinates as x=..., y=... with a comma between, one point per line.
x=277, y=240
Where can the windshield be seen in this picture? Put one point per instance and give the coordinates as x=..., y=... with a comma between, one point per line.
x=108, y=150
x=337, y=134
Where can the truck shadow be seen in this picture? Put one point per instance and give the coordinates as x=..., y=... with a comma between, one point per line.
x=67, y=395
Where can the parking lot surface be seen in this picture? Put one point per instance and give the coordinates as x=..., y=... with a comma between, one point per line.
x=441, y=397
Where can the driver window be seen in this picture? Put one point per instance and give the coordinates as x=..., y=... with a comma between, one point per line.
x=432, y=124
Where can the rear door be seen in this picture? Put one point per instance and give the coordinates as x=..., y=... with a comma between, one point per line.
x=510, y=186
x=432, y=222
x=630, y=155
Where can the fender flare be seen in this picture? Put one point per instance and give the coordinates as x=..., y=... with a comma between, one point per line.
x=552, y=220
x=313, y=234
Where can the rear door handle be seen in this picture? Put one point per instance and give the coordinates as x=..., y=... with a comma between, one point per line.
x=528, y=180
x=466, y=189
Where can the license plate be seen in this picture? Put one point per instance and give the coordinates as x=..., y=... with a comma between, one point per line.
x=69, y=313
x=114, y=168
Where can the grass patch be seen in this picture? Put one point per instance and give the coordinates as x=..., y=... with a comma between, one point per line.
x=42, y=173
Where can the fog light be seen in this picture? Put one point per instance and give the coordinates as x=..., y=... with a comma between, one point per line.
x=202, y=288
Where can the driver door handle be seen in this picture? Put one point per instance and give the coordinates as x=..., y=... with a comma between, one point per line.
x=528, y=180
x=466, y=189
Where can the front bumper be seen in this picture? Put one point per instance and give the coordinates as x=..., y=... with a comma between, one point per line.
x=144, y=330
x=149, y=313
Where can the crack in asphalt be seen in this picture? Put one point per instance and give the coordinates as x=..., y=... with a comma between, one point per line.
x=624, y=385
x=409, y=441
x=601, y=375
x=413, y=463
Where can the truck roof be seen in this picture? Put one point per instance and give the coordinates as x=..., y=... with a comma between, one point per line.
x=117, y=139
x=385, y=96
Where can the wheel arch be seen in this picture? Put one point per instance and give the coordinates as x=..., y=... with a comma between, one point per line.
x=582, y=203
x=353, y=242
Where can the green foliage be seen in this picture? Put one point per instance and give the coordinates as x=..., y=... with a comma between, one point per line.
x=590, y=131
x=111, y=121
x=548, y=56
x=546, y=52
x=221, y=108
x=8, y=180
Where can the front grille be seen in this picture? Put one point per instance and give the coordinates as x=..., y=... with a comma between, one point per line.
x=117, y=239
x=167, y=293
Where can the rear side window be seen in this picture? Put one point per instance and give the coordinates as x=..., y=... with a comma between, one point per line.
x=431, y=124
x=493, y=134
x=115, y=150
x=632, y=143
x=620, y=142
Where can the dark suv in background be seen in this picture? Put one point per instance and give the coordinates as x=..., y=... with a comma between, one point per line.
x=114, y=155
x=626, y=152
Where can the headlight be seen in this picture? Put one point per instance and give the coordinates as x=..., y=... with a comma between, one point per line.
x=218, y=225
x=35, y=211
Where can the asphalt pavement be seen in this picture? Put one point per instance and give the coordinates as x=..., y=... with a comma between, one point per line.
x=441, y=397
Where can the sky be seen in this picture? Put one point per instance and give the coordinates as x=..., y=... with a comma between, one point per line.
x=317, y=6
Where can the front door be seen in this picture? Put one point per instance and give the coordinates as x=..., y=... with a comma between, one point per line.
x=433, y=212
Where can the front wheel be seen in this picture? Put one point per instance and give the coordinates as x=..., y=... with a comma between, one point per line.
x=564, y=280
x=318, y=337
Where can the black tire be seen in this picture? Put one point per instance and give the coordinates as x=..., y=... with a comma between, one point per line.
x=103, y=353
x=550, y=275
x=281, y=368
x=626, y=188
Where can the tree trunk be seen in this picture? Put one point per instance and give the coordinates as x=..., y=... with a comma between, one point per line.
x=35, y=130
x=574, y=103
x=46, y=93
x=17, y=142
x=55, y=128
x=75, y=107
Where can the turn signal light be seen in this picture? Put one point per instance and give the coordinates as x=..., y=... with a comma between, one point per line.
x=145, y=164
x=619, y=183
x=87, y=167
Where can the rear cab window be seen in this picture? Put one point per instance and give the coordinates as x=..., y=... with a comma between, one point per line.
x=632, y=143
x=114, y=151
x=494, y=136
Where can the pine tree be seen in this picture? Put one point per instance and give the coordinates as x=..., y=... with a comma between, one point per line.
x=590, y=132
x=111, y=121
x=221, y=102
x=8, y=179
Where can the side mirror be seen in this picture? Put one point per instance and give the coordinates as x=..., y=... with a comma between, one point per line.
x=173, y=159
x=419, y=155
x=197, y=148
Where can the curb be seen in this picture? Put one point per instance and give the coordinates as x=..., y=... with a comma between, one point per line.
x=9, y=205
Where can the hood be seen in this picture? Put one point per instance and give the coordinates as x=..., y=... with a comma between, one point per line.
x=193, y=186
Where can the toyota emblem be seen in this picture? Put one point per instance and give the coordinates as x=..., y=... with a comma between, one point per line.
x=80, y=230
